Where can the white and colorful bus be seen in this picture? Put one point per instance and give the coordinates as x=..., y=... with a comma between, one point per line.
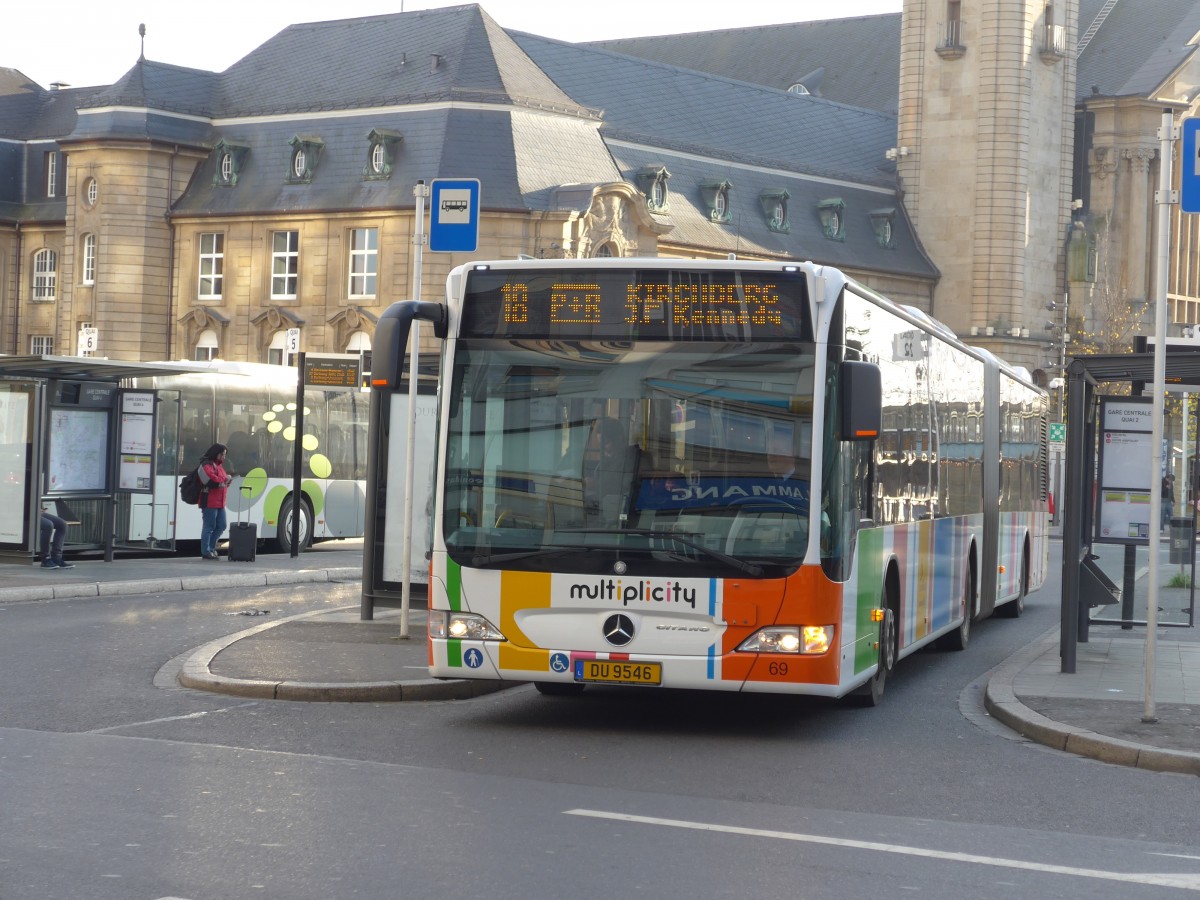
x=723, y=475
x=251, y=408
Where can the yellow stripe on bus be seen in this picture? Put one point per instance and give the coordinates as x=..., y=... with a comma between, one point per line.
x=522, y=591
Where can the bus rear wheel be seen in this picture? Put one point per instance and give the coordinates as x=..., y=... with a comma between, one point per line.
x=1013, y=608
x=961, y=636
x=283, y=534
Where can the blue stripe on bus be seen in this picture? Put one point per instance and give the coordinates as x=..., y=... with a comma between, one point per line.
x=712, y=598
x=944, y=562
x=712, y=661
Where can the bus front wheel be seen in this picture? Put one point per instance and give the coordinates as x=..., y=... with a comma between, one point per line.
x=283, y=535
x=871, y=693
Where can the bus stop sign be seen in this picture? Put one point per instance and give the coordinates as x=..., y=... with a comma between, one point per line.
x=1189, y=169
x=454, y=215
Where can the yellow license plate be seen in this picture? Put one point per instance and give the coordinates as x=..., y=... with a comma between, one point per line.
x=609, y=671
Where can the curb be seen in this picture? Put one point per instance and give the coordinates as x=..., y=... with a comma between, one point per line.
x=1004, y=705
x=75, y=590
x=196, y=674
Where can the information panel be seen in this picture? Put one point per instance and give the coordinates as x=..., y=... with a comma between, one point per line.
x=135, y=469
x=331, y=372
x=1126, y=447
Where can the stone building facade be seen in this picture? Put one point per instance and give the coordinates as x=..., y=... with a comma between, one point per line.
x=166, y=210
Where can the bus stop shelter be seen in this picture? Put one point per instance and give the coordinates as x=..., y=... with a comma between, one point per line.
x=74, y=440
x=1084, y=585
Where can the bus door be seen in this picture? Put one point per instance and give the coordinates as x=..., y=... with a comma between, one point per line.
x=146, y=520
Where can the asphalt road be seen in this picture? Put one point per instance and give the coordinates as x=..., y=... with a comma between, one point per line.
x=116, y=783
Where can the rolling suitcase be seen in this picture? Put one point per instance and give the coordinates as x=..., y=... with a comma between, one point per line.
x=243, y=536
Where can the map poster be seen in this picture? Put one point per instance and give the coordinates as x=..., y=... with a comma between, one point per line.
x=78, y=457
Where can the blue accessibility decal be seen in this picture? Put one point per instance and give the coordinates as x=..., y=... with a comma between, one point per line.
x=559, y=663
x=473, y=658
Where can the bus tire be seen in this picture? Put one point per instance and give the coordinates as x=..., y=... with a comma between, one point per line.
x=871, y=693
x=283, y=534
x=961, y=636
x=1014, y=608
x=558, y=688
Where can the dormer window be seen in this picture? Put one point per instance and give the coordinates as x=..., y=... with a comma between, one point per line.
x=231, y=158
x=883, y=222
x=381, y=153
x=652, y=180
x=775, y=207
x=306, y=154
x=716, y=199
x=833, y=223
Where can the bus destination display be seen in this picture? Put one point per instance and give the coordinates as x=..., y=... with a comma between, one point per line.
x=636, y=304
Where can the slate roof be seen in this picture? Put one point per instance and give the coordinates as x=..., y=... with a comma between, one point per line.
x=1139, y=45
x=518, y=155
x=29, y=112
x=860, y=56
x=386, y=60
x=684, y=109
x=748, y=232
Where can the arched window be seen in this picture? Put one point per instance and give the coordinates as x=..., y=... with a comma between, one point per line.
x=360, y=343
x=45, y=275
x=206, y=345
x=277, y=351
x=605, y=251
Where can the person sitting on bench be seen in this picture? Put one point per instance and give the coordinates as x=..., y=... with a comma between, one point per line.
x=53, y=534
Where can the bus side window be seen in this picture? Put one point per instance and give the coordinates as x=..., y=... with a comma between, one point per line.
x=239, y=453
x=336, y=451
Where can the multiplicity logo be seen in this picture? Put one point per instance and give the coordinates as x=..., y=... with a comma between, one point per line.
x=614, y=589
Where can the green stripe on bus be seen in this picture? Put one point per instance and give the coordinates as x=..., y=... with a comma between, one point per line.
x=454, y=584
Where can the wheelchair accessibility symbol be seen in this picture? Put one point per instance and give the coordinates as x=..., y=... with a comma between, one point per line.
x=473, y=658
x=559, y=663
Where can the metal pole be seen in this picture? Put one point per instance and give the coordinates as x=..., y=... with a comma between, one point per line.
x=419, y=192
x=1162, y=199
x=297, y=455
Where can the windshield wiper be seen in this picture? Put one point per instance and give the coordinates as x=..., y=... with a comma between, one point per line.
x=483, y=559
x=750, y=569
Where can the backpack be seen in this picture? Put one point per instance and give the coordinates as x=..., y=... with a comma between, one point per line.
x=191, y=487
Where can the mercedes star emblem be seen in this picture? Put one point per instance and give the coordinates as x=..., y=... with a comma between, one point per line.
x=618, y=630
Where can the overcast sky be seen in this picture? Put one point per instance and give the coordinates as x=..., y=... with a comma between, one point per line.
x=90, y=42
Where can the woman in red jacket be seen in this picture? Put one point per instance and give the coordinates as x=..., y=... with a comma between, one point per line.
x=212, y=499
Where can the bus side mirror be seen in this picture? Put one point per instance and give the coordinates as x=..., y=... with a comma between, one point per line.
x=391, y=339
x=862, y=401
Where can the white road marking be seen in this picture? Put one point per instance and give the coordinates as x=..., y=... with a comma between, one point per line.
x=1187, y=882
x=195, y=715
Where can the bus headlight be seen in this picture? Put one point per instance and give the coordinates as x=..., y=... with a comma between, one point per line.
x=811, y=640
x=462, y=626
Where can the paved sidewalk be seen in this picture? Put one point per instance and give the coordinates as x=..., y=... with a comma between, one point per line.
x=1097, y=711
x=335, y=656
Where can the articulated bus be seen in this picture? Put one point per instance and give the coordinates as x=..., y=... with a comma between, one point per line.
x=722, y=475
x=251, y=408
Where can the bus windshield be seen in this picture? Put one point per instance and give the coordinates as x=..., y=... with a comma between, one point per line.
x=572, y=456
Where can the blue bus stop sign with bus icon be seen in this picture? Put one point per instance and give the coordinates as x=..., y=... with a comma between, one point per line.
x=454, y=215
x=1189, y=168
